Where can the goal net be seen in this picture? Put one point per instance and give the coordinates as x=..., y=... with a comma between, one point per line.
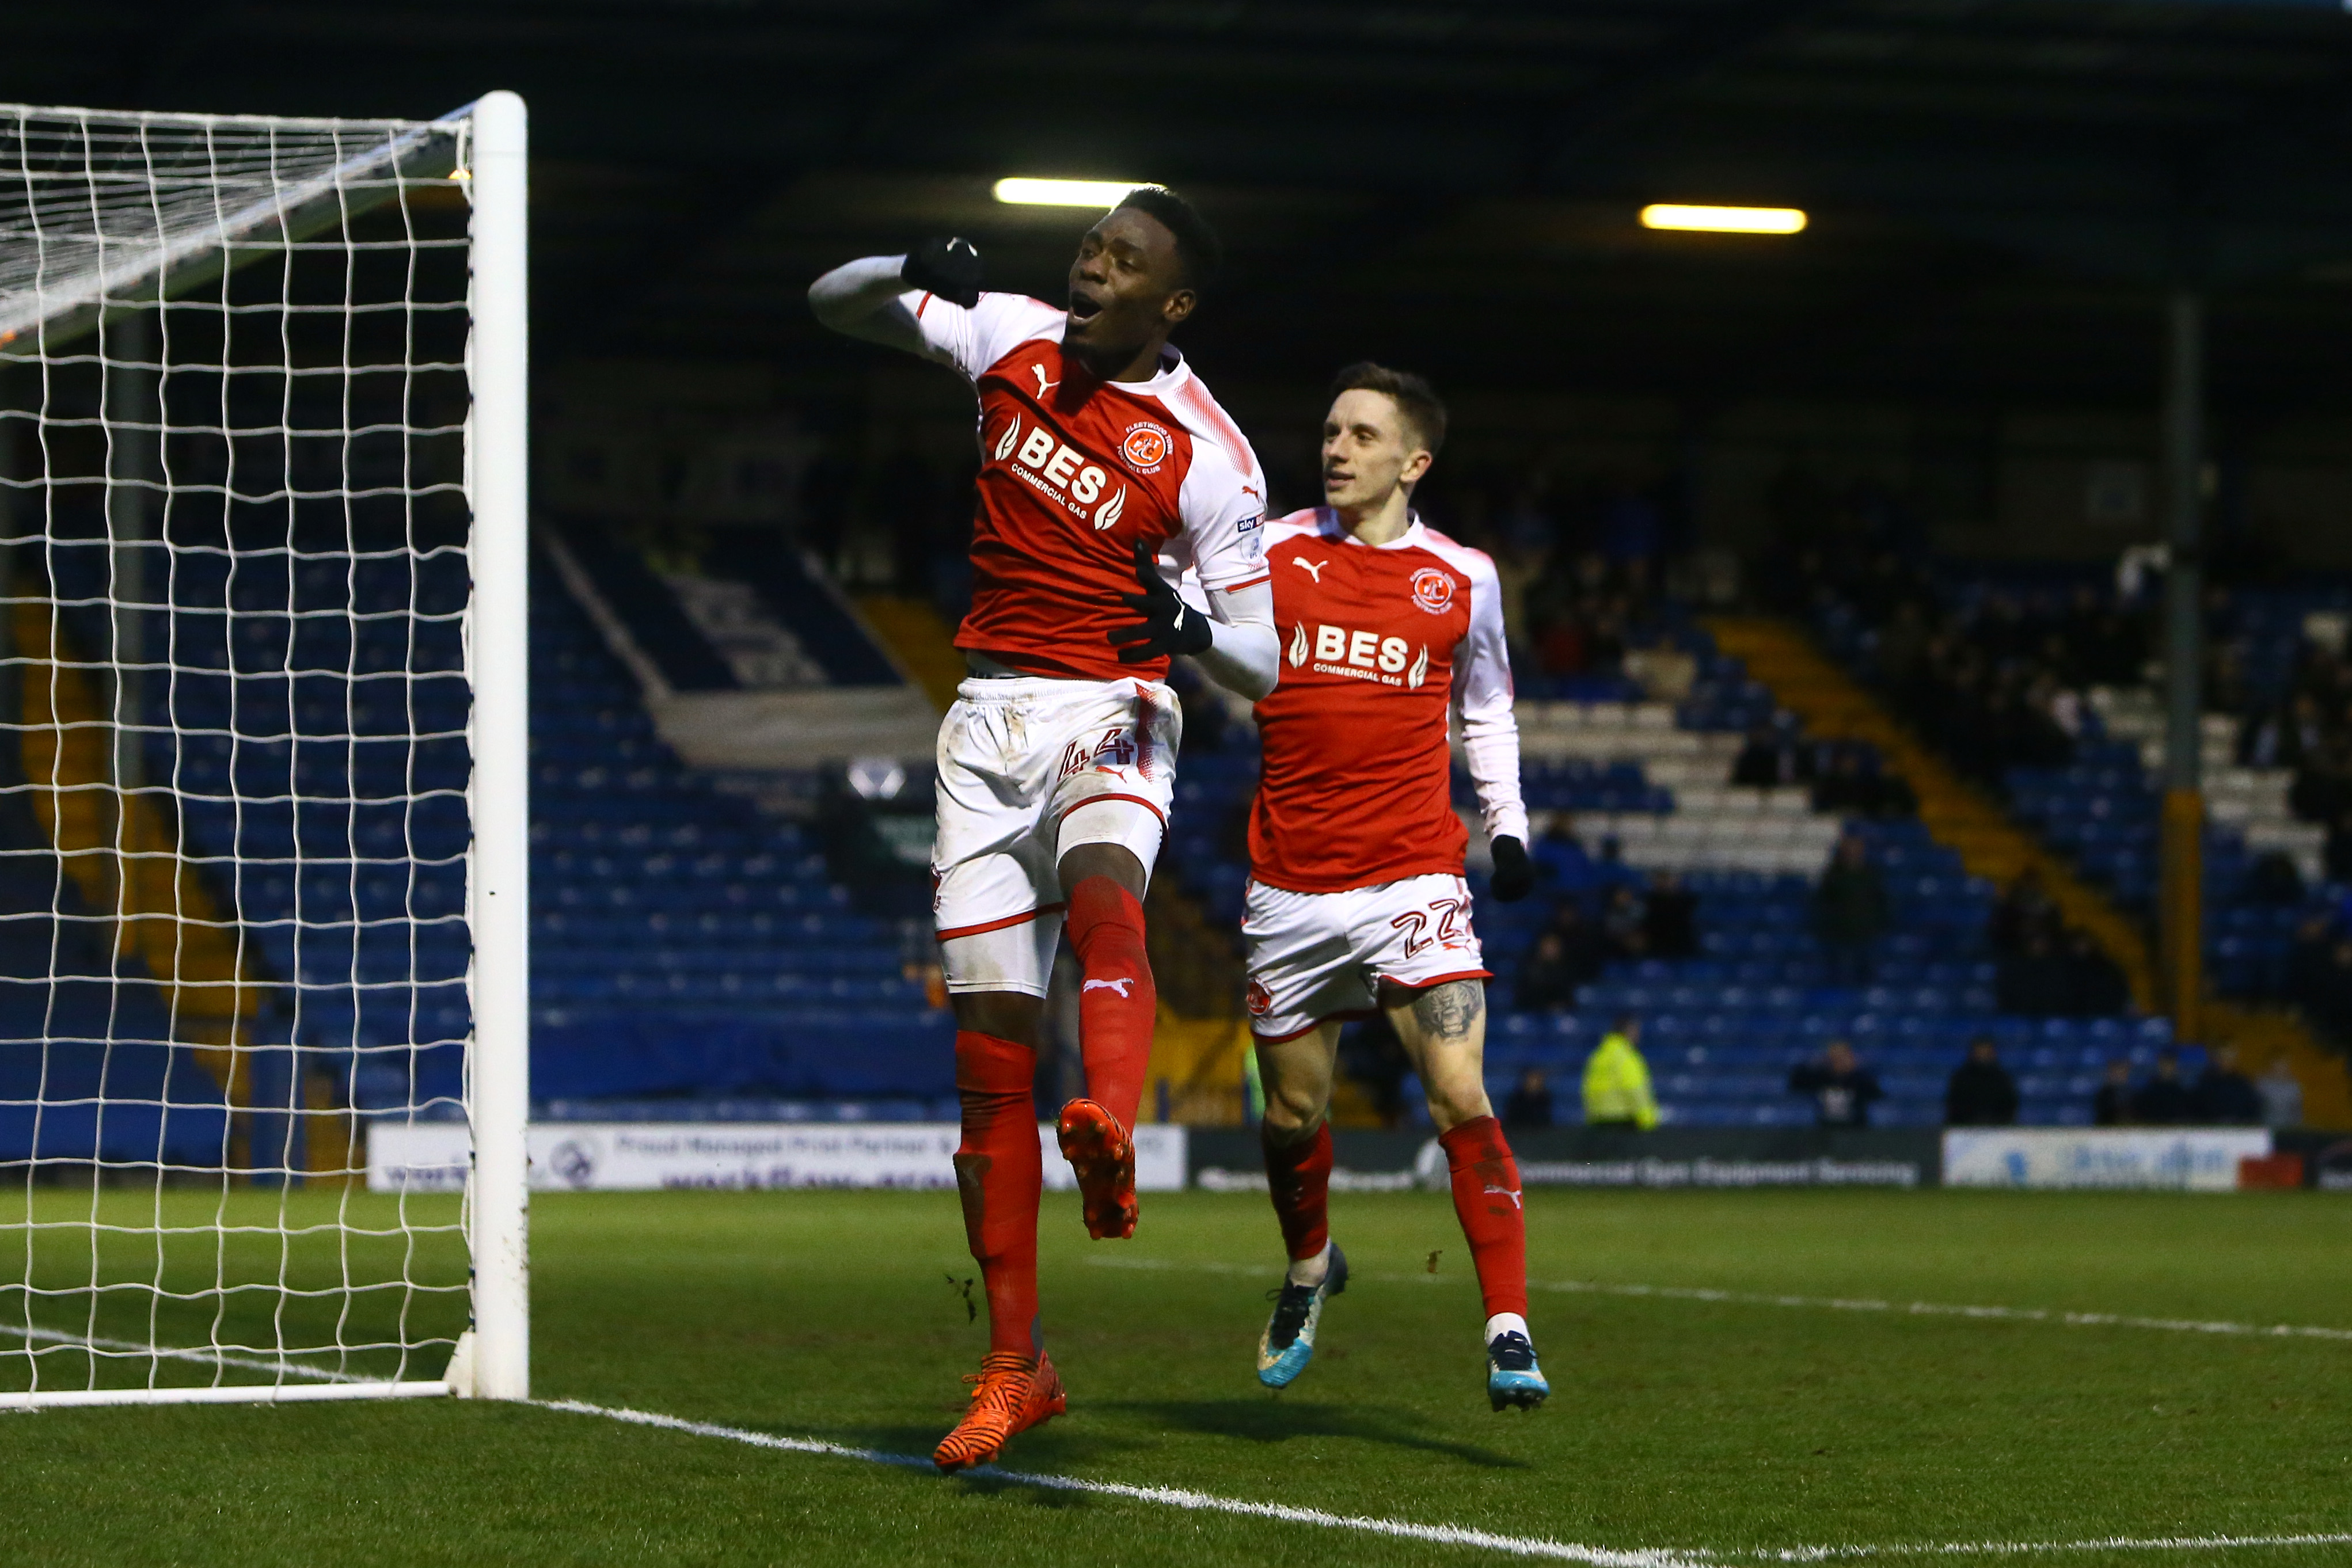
x=262, y=809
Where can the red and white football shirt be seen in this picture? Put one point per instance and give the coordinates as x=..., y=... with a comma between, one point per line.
x=1074, y=469
x=1377, y=642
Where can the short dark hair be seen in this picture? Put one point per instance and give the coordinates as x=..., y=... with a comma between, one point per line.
x=1416, y=400
x=1197, y=250
x=1626, y=1021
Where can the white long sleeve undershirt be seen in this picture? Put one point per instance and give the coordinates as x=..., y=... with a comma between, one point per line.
x=1244, y=652
x=860, y=299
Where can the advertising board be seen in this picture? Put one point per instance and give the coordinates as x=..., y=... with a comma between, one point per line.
x=640, y=1156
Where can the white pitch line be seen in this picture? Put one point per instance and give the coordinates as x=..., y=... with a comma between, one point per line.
x=1172, y=1497
x=2047, y=1547
x=1826, y=1303
x=1449, y=1534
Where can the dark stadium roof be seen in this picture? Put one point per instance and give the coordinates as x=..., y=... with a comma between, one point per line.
x=1999, y=189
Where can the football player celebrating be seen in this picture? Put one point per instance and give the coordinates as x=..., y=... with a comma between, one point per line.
x=1104, y=460
x=1356, y=897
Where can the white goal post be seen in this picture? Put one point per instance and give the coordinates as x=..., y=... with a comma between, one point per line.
x=264, y=752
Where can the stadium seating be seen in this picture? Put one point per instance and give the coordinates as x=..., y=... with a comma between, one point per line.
x=2100, y=809
x=101, y=1029
x=1646, y=784
x=684, y=942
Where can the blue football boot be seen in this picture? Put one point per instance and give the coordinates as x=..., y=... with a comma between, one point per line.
x=1512, y=1375
x=1289, y=1340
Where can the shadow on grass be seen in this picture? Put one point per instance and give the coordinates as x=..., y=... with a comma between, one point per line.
x=1290, y=1420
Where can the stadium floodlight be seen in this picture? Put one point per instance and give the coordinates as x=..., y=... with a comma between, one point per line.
x=1723, y=220
x=1028, y=192
x=263, y=651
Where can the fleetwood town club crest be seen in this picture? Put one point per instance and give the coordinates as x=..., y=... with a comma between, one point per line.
x=1146, y=446
x=1433, y=589
x=1259, y=1001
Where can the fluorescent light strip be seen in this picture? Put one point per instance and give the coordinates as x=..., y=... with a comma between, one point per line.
x=1723, y=220
x=1063, y=193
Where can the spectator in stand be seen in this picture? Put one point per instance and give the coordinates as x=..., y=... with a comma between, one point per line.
x=2307, y=958
x=1845, y=789
x=2328, y=994
x=1529, y=1104
x=1840, y=1087
x=2024, y=909
x=1612, y=869
x=1772, y=756
x=2096, y=984
x=1670, y=918
x=1623, y=931
x=1852, y=788
x=2284, y=737
x=2163, y=1101
x=2282, y=1094
x=2323, y=785
x=2036, y=983
x=1850, y=912
x=1549, y=977
x=2112, y=1106
x=2224, y=1096
x=1980, y=1093
x=1561, y=855
x=1617, y=1080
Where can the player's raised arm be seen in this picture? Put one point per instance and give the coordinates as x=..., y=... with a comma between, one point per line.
x=886, y=300
x=1490, y=733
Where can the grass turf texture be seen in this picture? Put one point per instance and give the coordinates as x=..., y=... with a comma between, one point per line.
x=1673, y=1424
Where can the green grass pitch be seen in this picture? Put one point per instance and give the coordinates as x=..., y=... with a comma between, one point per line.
x=1722, y=1428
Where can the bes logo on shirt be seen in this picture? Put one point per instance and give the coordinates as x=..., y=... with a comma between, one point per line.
x=1060, y=473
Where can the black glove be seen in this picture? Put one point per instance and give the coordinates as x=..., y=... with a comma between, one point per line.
x=1170, y=625
x=948, y=267
x=1514, y=878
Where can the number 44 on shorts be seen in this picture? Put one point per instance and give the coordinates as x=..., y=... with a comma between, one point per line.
x=1116, y=749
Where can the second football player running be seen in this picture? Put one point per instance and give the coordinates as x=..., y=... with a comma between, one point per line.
x=1357, y=899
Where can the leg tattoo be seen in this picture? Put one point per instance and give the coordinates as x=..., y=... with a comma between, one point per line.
x=1448, y=1011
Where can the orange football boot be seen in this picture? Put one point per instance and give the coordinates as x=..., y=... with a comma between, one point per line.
x=1102, y=1154
x=1012, y=1393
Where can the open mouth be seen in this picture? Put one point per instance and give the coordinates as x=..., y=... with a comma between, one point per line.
x=1084, y=307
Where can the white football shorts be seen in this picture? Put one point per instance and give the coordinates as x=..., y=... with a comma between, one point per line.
x=1031, y=768
x=1318, y=955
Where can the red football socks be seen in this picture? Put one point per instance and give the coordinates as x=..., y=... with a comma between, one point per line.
x=1116, y=1001
x=1298, y=1179
x=1486, y=1201
x=1000, y=1170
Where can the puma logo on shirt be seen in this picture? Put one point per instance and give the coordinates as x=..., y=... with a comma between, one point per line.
x=1119, y=985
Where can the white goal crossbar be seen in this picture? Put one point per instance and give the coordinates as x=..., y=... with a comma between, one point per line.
x=108, y=222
